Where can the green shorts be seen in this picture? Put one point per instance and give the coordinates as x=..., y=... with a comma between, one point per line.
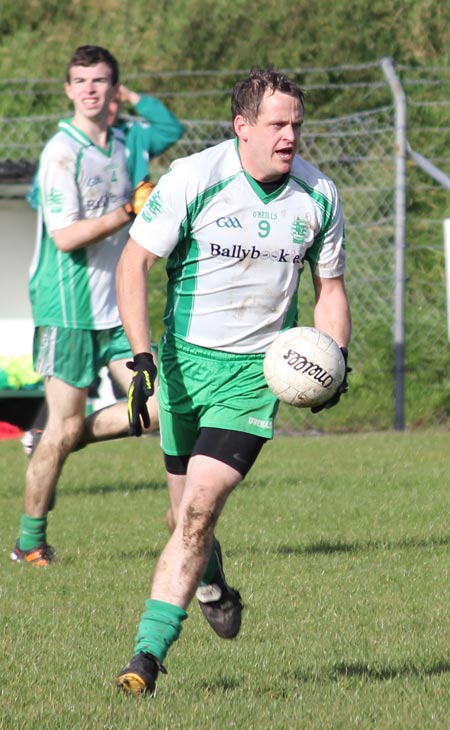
x=199, y=388
x=77, y=356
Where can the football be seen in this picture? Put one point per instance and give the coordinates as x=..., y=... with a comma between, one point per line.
x=304, y=367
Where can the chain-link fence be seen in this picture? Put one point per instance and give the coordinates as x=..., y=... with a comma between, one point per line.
x=350, y=134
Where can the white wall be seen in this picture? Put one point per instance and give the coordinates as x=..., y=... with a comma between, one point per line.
x=17, y=238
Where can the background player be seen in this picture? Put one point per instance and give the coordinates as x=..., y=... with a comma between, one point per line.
x=82, y=229
x=145, y=138
x=237, y=223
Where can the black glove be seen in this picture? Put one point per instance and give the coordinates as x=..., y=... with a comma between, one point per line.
x=343, y=387
x=141, y=388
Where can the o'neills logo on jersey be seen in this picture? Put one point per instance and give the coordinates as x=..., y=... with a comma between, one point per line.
x=237, y=251
x=300, y=363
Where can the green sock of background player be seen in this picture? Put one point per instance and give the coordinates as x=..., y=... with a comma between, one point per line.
x=32, y=532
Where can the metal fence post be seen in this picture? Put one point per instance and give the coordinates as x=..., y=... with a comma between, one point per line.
x=400, y=241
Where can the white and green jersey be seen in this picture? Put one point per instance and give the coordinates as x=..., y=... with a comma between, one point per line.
x=235, y=254
x=78, y=180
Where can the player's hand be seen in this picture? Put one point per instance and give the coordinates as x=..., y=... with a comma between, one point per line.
x=343, y=387
x=127, y=96
x=139, y=197
x=141, y=388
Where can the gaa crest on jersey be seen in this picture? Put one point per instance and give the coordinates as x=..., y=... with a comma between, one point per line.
x=299, y=229
x=55, y=200
x=152, y=207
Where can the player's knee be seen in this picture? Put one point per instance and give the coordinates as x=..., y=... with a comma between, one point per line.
x=198, y=527
x=66, y=435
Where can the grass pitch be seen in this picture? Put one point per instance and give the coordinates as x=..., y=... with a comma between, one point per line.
x=339, y=545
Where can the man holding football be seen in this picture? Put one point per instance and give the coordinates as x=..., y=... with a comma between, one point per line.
x=237, y=224
x=86, y=204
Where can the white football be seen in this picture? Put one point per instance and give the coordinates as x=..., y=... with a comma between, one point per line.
x=304, y=367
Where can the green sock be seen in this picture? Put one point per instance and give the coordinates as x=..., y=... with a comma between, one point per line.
x=33, y=532
x=212, y=568
x=159, y=627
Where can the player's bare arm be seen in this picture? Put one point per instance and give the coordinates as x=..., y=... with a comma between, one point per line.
x=131, y=286
x=332, y=309
x=90, y=230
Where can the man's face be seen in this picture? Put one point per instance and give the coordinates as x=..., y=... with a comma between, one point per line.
x=91, y=90
x=268, y=146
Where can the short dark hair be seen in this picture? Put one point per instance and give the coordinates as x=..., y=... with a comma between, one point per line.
x=91, y=56
x=249, y=92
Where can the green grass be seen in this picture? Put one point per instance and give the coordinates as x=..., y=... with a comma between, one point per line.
x=339, y=545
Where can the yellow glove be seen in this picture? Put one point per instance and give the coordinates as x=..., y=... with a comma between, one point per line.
x=139, y=197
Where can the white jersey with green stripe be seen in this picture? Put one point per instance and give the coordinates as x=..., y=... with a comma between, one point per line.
x=78, y=180
x=235, y=254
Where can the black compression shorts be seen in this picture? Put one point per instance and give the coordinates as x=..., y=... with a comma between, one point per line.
x=235, y=448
